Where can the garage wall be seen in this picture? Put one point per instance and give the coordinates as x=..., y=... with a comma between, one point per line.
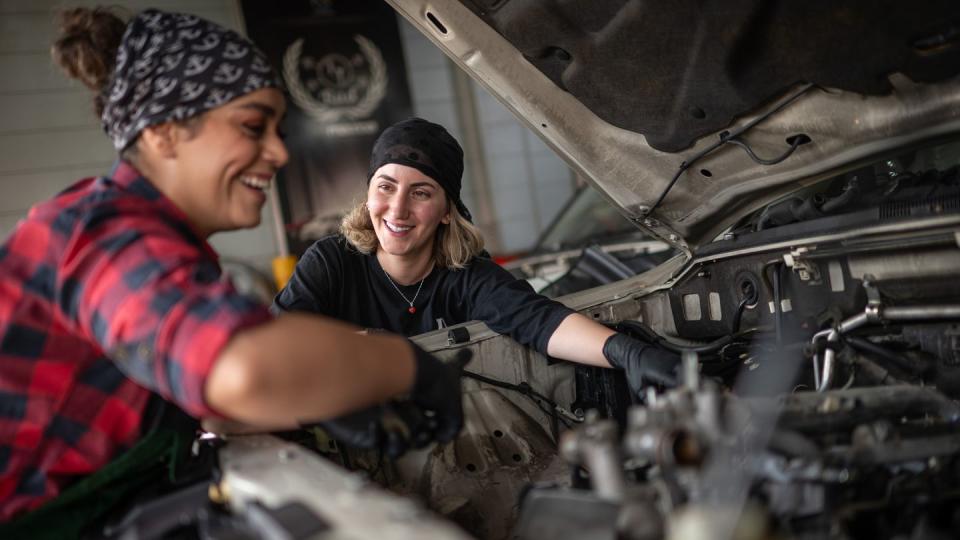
x=528, y=182
x=49, y=137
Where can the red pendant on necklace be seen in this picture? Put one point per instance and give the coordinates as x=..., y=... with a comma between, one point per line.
x=412, y=309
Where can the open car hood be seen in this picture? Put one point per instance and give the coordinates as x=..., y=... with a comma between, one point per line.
x=690, y=103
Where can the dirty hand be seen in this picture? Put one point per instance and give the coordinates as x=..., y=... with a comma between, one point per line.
x=642, y=363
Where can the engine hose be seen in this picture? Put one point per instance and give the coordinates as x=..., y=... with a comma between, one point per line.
x=897, y=360
x=876, y=314
x=660, y=341
x=546, y=405
x=738, y=315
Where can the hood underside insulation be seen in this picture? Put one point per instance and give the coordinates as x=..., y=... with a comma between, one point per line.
x=676, y=71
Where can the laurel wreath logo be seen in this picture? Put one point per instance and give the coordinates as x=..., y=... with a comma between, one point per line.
x=322, y=112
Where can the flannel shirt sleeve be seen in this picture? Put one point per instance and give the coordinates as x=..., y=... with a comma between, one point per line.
x=152, y=297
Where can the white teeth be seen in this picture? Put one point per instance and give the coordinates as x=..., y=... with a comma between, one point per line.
x=256, y=183
x=396, y=228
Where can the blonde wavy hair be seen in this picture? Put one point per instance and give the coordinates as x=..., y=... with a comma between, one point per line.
x=453, y=246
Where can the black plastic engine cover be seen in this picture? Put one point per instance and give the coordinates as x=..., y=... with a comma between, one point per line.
x=675, y=71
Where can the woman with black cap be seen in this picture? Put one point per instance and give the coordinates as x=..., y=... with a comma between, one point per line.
x=410, y=261
x=112, y=295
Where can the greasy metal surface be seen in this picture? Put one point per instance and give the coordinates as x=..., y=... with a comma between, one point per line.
x=884, y=266
x=262, y=468
x=567, y=514
x=845, y=128
x=596, y=447
x=840, y=409
x=501, y=358
x=901, y=230
x=477, y=480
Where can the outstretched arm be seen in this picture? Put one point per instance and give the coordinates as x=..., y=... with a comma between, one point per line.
x=304, y=368
x=154, y=302
x=579, y=339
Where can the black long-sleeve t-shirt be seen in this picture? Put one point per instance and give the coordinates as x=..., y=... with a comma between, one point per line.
x=334, y=279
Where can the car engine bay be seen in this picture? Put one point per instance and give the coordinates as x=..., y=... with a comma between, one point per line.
x=821, y=341
x=799, y=159
x=826, y=328
x=820, y=347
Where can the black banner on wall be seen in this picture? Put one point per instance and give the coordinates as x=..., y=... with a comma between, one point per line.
x=343, y=65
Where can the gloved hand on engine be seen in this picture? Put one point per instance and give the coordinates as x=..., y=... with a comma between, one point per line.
x=434, y=411
x=436, y=389
x=363, y=429
x=642, y=363
x=380, y=428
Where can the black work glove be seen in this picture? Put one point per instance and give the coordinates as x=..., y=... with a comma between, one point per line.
x=642, y=363
x=436, y=390
x=379, y=428
x=359, y=429
x=433, y=413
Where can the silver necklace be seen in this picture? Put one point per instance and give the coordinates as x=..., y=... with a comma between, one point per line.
x=410, y=309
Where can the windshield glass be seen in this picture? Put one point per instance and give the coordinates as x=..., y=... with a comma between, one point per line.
x=587, y=216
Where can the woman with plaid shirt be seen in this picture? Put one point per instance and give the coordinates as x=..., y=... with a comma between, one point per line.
x=112, y=295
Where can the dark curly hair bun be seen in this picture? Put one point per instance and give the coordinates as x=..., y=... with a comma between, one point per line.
x=86, y=47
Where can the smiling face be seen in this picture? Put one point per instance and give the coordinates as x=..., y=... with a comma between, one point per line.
x=221, y=171
x=406, y=207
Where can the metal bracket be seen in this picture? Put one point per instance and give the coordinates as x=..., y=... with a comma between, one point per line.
x=805, y=270
x=874, y=302
x=457, y=335
x=658, y=230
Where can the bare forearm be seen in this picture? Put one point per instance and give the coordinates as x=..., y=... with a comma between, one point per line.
x=302, y=368
x=578, y=339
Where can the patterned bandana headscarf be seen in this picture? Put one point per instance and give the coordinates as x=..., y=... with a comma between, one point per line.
x=427, y=147
x=172, y=66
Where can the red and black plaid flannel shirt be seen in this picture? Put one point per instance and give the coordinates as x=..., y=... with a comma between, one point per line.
x=106, y=294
